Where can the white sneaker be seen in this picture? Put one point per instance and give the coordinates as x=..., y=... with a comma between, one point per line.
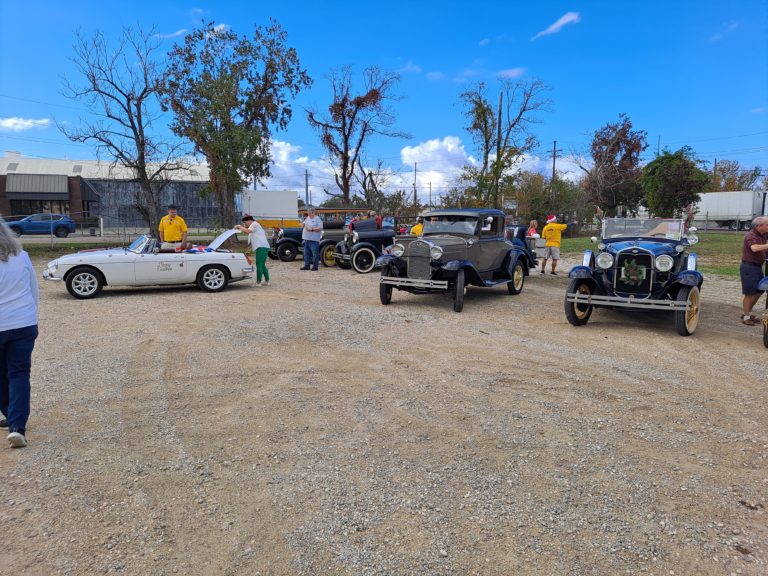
x=17, y=440
x=265, y=284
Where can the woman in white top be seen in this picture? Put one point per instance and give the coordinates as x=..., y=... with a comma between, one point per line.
x=18, y=330
x=260, y=246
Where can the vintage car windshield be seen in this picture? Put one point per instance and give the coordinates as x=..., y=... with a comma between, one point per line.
x=465, y=225
x=138, y=244
x=670, y=229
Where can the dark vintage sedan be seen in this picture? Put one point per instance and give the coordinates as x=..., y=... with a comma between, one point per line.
x=287, y=243
x=641, y=264
x=458, y=248
x=362, y=244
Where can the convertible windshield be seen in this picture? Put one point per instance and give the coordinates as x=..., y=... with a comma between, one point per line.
x=450, y=225
x=138, y=244
x=643, y=228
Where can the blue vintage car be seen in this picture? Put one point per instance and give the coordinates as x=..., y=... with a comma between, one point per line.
x=641, y=264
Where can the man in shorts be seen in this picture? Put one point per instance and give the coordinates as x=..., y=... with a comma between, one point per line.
x=552, y=233
x=751, y=269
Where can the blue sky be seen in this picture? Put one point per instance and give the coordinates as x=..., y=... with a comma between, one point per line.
x=687, y=72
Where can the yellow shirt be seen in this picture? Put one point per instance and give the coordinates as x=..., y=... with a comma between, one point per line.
x=172, y=230
x=417, y=228
x=552, y=233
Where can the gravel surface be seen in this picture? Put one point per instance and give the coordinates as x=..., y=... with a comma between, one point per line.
x=304, y=428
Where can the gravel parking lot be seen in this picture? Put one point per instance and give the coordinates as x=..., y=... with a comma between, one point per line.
x=306, y=429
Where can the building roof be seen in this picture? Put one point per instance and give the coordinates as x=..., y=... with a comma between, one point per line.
x=15, y=163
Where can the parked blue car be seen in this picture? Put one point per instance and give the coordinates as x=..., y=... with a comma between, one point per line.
x=641, y=264
x=60, y=224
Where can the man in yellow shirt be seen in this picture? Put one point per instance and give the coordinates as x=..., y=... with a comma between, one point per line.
x=172, y=227
x=552, y=233
x=418, y=227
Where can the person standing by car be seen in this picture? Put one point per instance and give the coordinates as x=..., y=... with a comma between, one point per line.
x=18, y=330
x=260, y=245
x=173, y=229
x=753, y=255
x=417, y=228
x=532, y=233
x=313, y=229
x=552, y=233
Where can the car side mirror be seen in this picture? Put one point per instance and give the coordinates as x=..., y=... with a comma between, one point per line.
x=593, y=239
x=693, y=229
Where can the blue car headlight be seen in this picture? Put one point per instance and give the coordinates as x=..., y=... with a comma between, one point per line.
x=397, y=250
x=435, y=252
x=604, y=260
x=664, y=263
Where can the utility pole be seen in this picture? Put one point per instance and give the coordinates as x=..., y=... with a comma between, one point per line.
x=497, y=174
x=415, y=199
x=552, y=182
x=306, y=187
x=430, y=195
x=714, y=174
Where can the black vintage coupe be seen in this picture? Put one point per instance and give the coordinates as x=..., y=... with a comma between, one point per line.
x=458, y=248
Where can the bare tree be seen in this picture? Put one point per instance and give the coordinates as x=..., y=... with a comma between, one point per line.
x=353, y=119
x=119, y=88
x=501, y=145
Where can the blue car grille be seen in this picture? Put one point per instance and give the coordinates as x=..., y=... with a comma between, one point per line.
x=634, y=273
x=418, y=260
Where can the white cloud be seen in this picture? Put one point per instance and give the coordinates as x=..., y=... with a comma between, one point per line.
x=409, y=67
x=438, y=162
x=565, y=19
x=435, y=76
x=14, y=124
x=511, y=73
x=484, y=42
x=176, y=34
x=728, y=27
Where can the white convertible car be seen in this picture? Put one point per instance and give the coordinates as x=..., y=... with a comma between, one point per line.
x=143, y=264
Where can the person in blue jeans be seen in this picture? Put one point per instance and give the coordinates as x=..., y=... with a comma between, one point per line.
x=313, y=229
x=19, y=298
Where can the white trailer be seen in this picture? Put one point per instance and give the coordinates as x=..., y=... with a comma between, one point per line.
x=736, y=210
x=271, y=208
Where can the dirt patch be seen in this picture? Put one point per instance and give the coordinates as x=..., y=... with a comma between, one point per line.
x=304, y=428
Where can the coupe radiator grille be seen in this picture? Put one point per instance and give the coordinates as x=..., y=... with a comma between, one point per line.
x=634, y=273
x=418, y=260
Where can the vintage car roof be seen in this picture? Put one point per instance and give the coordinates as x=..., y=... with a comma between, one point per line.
x=476, y=212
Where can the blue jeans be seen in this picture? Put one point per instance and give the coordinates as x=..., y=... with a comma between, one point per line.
x=311, y=253
x=15, y=363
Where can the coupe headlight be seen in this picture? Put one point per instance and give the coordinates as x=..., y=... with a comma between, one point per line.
x=664, y=263
x=398, y=250
x=355, y=237
x=604, y=260
x=435, y=252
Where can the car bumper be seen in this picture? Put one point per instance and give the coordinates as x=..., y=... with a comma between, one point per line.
x=621, y=302
x=342, y=257
x=414, y=282
x=48, y=276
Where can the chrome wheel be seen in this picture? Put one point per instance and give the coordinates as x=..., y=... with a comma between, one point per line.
x=212, y=279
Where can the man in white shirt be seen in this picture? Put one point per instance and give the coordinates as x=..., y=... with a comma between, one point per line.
x=313, y=229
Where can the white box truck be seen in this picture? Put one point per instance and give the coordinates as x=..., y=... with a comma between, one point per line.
x=271, y=208
x=736, y=209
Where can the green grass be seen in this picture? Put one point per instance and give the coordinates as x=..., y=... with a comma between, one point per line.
x=719, y=252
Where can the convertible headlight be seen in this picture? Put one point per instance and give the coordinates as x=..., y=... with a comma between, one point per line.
x=398, y=250
x=604, y=260
x=664, y=263
x=435, y=252
x=355, y=237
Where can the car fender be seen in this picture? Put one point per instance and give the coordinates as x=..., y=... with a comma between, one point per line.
x=324, y=243
x=360, y=245
x=384, y=260
x=471, y=275
x=763, y=284
x=289, y=241
x=582, y=272
x=689, y=278
x=513, y=256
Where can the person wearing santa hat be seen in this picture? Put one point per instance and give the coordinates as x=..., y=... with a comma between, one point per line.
x=552, y=233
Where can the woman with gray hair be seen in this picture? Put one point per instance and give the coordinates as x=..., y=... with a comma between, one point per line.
x=18, y=330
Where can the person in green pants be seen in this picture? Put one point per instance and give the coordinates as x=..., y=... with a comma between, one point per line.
x=260, y=246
